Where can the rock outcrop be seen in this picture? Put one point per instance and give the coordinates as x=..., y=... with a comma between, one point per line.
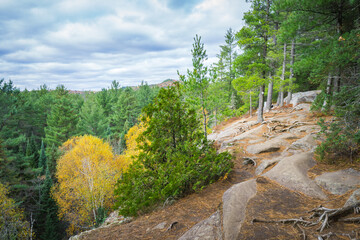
x=291, y=172
x=292, y=158
x=339, y=182
x=209, y=229
x=234, y=207
x=272, y=145
x=303, y=97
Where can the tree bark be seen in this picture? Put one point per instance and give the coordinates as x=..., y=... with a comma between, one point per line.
x=289, y=97
x=204, y=113
x=269, y=95
x=250, y=105
x=260, y=117
x=278, y=100
x=283, y=78
x=328, y=89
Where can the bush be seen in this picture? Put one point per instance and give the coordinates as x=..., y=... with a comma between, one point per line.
x=343, y=135
x=175, y=158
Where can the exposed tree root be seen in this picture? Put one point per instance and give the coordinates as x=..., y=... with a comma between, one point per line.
x=281, y=127
x=247, y=160
x=293, y=220
x=323, y=217
x=331, y=234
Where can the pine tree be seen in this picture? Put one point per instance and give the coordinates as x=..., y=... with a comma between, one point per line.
x=125, y=114
x=92, y=119
x=53, y=155
x=174, y=159
x=61, y=123
x=144, y=94
x=254, y=41
x=228, y=55
x=48, y=225
x=42, y=159
x=197, y=81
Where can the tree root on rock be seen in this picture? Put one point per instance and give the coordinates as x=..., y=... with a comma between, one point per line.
x=247, y=160
x=324, y=216
x=281, y=127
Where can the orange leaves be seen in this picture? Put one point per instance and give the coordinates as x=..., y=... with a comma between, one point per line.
x=86, y=173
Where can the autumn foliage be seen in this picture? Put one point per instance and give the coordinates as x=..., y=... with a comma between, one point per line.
x=86, y=173
x=12, y=220
x=132, y=150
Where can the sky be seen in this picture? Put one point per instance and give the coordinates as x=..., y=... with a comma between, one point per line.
x=86, y=44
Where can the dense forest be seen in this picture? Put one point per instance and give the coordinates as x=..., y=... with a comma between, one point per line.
x=67, y=160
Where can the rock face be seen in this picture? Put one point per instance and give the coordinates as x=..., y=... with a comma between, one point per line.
x=265, y=164
x=232, y=130
x=306, y=143
x=209, y=229
x=339, y=182
x=303, y=97
x=291, y=172
x=354, y=198
x=234, y=207
x=272, y=145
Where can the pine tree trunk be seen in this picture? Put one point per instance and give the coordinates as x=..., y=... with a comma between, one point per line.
x=260, y=117
x=337, y=81
x=250, y=105
x=328, y=89
x=204, y=113
x=283, y=78
x=216, y=117
x=289, y=97
x=278, y=100
x=269, y=96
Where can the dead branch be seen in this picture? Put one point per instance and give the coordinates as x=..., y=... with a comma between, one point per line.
x=303, y=234
x=247, y=160
x=330, y=234
x=172, y=225
x=292, y=220
x=350, y=220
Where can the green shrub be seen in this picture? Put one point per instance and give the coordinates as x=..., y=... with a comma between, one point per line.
x=342, y=137
x=175, y=160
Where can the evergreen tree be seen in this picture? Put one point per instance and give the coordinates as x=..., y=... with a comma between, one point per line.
x=254, y=41
x=48, y=225
x=42, y=159
x=218, y=97
x=61, y=123
x=125, y=114
x=145, y=94
x=92, y=119
x=175, y=158
x=197, y=81
x=228, y=55
x=53, y=155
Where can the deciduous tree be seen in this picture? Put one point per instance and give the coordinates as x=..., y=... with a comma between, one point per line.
x=86, y=173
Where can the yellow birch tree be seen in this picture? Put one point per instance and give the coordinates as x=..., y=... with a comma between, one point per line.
x=86, y=173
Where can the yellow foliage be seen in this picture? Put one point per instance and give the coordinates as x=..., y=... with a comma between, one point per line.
x=12, y=221
x=86, y=174
x=131, y=145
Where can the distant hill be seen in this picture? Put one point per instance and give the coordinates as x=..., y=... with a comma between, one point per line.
x=164, y=84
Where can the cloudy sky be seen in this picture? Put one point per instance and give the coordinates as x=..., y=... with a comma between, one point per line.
x=86, y=44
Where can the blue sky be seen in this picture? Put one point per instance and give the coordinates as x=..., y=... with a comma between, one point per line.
x=86, y=44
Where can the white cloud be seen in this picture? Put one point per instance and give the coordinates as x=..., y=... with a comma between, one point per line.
x=86, y=44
